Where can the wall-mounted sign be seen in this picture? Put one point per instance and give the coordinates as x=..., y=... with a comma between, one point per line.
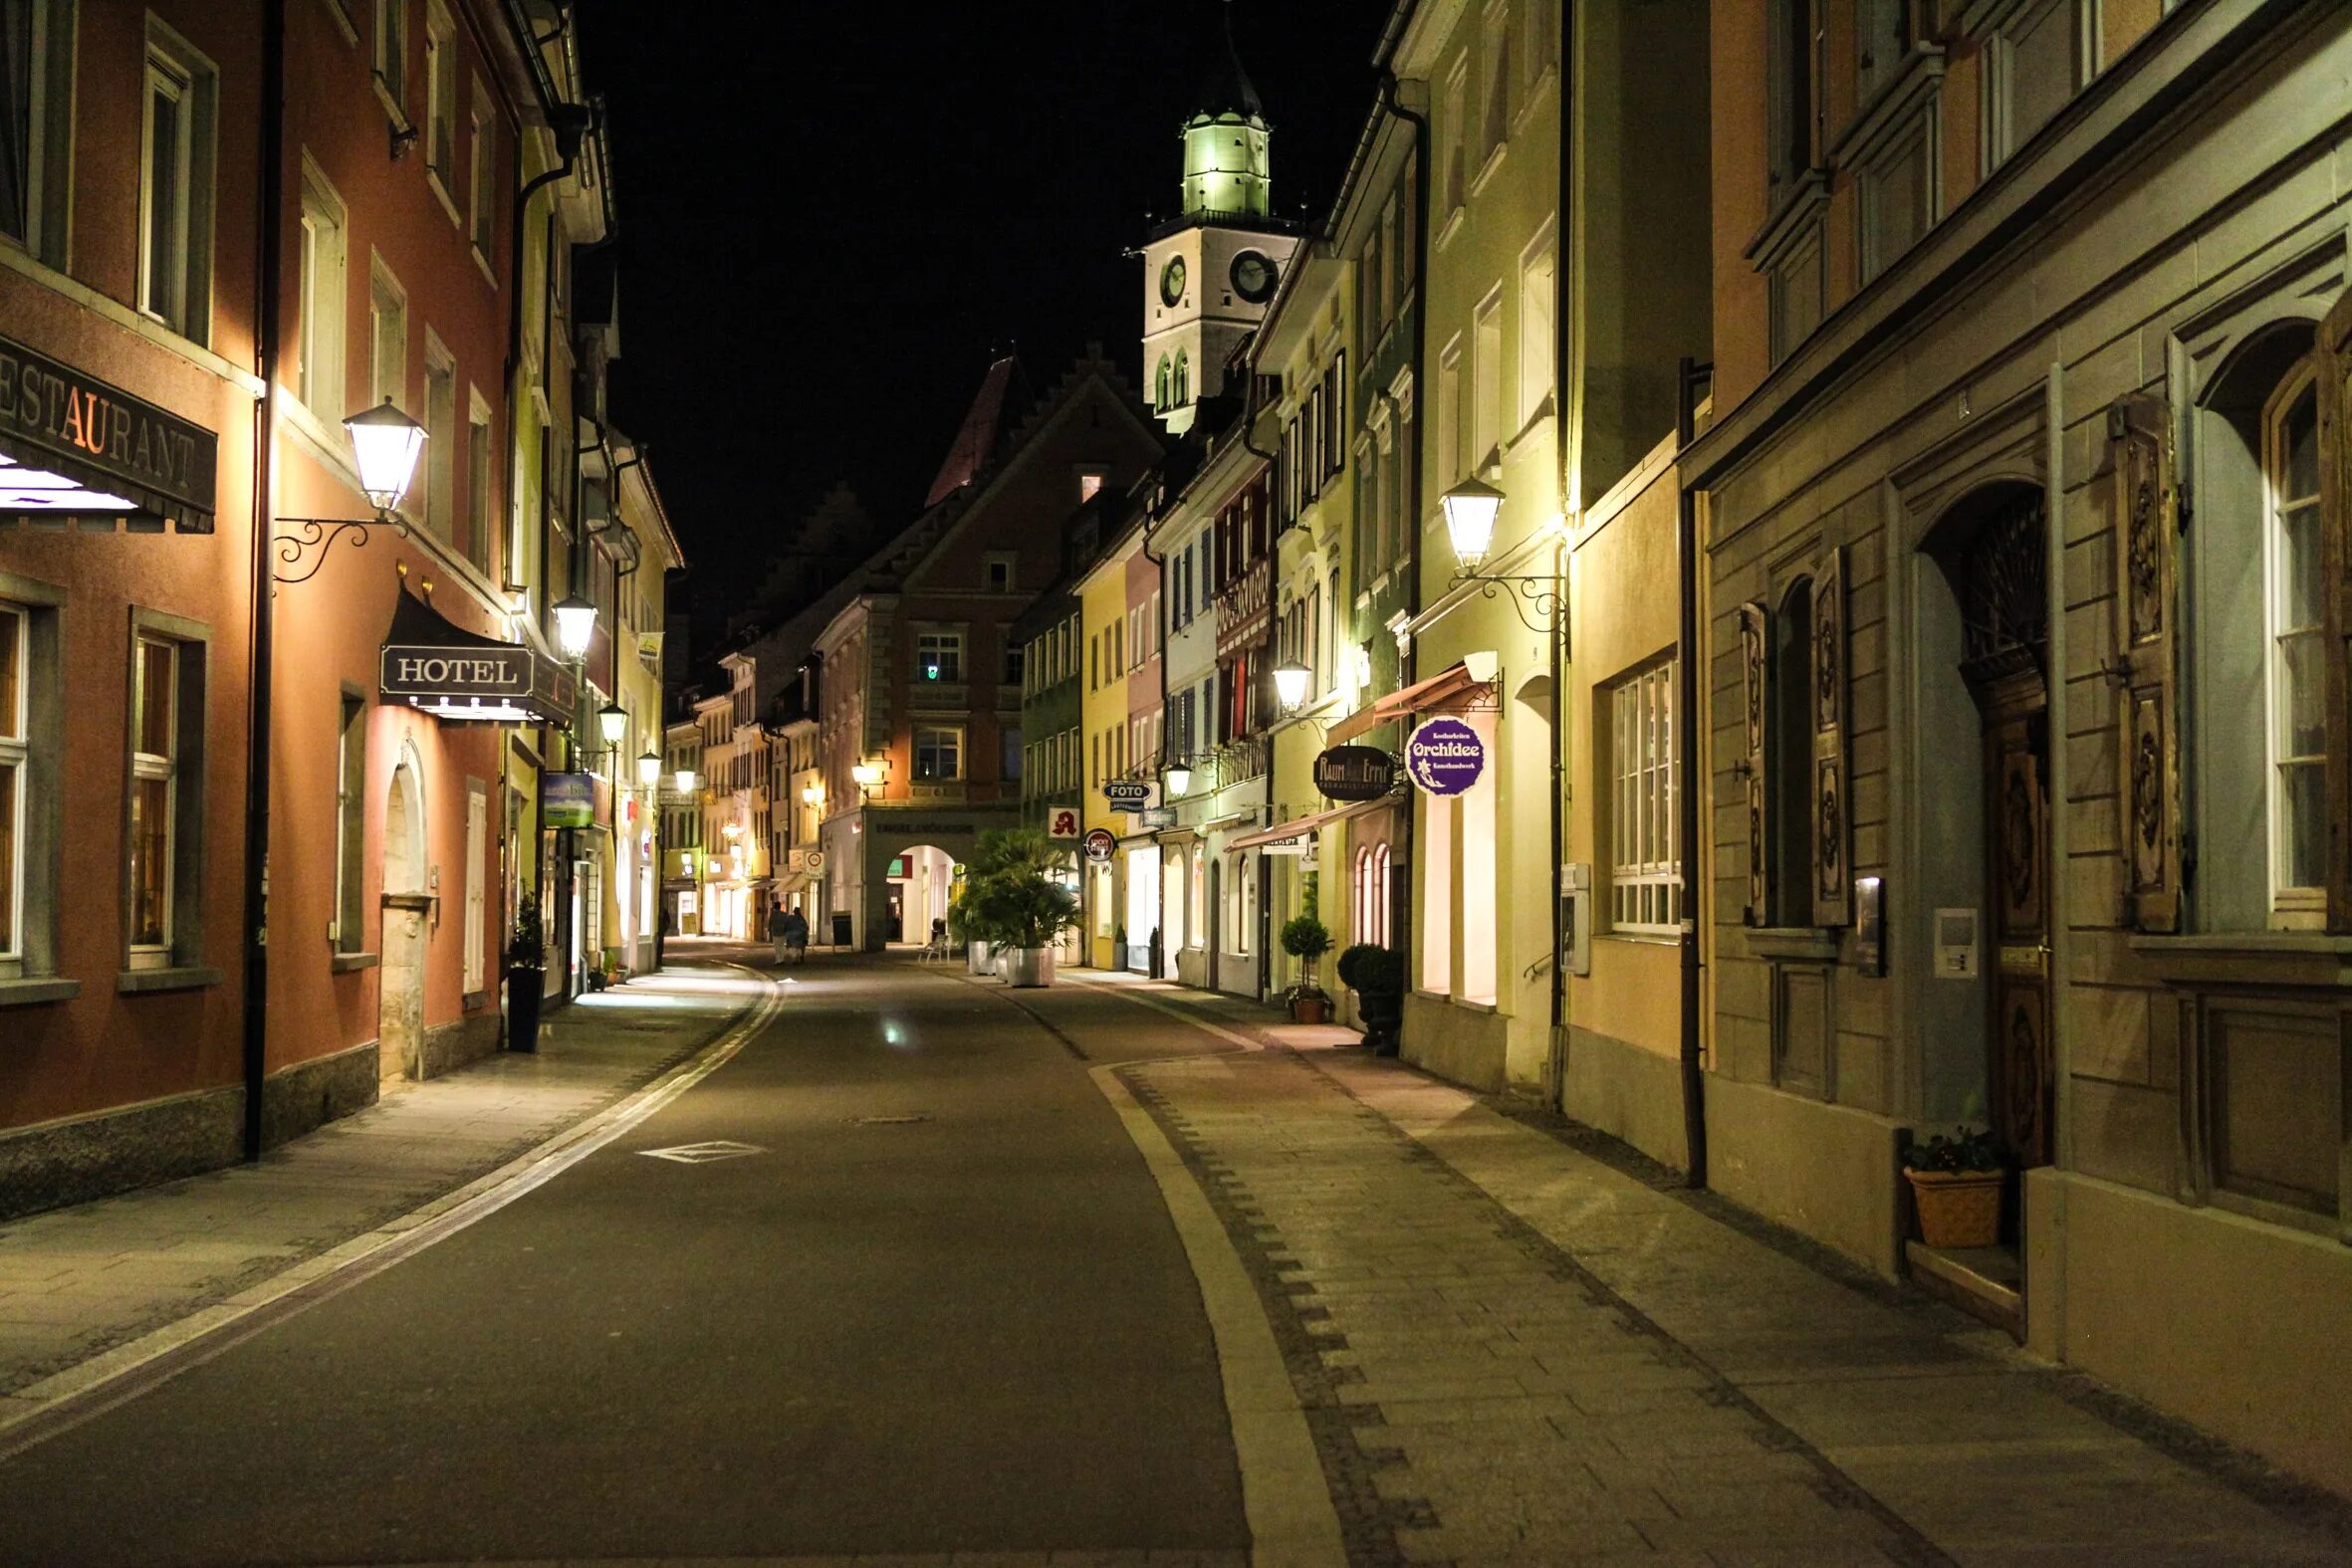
x=432, y=664
x=1132, y=795
x=567, y=800
x=1445, y=757
x=1354, y=773
x=1063, y=822
x=1157, y=816
x=803, y=860
x=69, y=443
x=1101, y=844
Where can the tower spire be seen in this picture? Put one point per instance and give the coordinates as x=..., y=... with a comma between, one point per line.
x=1227, y=161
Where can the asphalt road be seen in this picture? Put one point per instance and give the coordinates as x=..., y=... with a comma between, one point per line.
x=942, y=1309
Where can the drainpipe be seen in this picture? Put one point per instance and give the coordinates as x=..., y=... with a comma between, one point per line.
x=1686, y=700
x=1408, y=662
x=269, y=196
x=1569, y=452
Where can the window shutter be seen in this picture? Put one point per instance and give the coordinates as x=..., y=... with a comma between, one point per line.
x=1751, y=764
x=2146, y=502
x=1832, y=833
x=2335, y=553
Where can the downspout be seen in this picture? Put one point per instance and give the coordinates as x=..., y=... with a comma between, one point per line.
x=1569, y=453
x=1161, y=644
x=1258, y=678
x=1685, y=826
x=1408, y=660
x=267, y=200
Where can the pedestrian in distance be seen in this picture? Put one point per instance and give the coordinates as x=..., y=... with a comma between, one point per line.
x=792, y=937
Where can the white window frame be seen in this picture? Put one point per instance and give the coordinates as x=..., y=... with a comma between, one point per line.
x=49, y=131
x=439, y=487
x=350, y=790
x=179, y=294
x=1487, y=435
x=389, y=46
x=388, y=303
x=147, y=768
x=324, y=264
x=930, y=734
x=482, y=180
x=1538, y=321
x=1645, y=862
x=947, y=646
x=16, y=763
x=440, y=112
x=477, y=913
x=2292, y=904
x=481, y=460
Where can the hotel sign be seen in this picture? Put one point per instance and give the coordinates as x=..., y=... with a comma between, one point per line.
x=58, y=424
x=431, y=664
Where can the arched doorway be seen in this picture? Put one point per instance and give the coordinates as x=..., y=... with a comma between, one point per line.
x=922, y=882
x=1984, y=669
x=399, y=1036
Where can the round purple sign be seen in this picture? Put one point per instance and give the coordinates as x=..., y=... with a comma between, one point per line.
x=1445, y=757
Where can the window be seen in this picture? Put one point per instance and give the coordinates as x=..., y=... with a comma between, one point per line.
x=1788, y=67
x=2297, y=653
x=483, y=185
x=1000, y=573
x=440, y=445
x=1537, y=39
x=1453, y=127
x=391, y=52
x=1089, y=484
x=1535, y=295
x=1241, y=905
x=154, y=769
x=36, y=127
x=476, y=542
x=1016, y=663
x=175, y=186
x=319, y=363
x=1012, y=757
x=939, y=656
x=440, y=111
x=1450, y=460
x=387, y=337
x=1163, y=386
x=1436, y=936
x=1182, y=381
x=15, y=755
x=1879, y=44
x=1645, y=868
x=939, y=754
x=347, y=930
x=2035, y=58
x=1486, y=433
x=1496, y=41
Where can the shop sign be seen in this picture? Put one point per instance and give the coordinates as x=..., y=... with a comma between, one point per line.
x=1157, y=816
x=567, y=800
x=115, y=452
x=1445, y=757
x=1063, y=822
x=1354, y=773
x=1101, y=844
x=1132, y=795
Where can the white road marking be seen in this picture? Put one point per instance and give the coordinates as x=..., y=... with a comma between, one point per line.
x=703, y=1153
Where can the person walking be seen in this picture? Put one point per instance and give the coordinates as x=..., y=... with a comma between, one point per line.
x=792, y=937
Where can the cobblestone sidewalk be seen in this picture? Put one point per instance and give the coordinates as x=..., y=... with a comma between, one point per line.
x=1511, y=1352
x=76, y=1282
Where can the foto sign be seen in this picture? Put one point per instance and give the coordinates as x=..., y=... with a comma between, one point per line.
x=1445, y=757
x=1063, y=822
x=1132, y=795
x=1101, y=844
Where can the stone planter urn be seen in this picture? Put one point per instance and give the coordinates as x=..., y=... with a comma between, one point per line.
x=1028, y=966
x=980, y=959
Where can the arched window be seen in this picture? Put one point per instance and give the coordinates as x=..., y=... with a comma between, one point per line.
x=1361, y=891
x=1183, y=379
x=1380, y=894
x=1160, y=383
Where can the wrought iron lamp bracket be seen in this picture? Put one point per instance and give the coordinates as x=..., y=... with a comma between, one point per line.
x=314, y=536
x=1536, y=601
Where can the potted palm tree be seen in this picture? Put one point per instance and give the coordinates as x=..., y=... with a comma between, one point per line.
x=964, y=931
x=1019, y=903
x=1377, y=977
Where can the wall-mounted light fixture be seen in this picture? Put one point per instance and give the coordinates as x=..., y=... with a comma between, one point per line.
x=385, y=447
x=576, y=623
x=1471, y=507
x=650, y=770
x=1290, y=682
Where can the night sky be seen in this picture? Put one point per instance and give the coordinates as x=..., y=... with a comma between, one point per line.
x=827, y=220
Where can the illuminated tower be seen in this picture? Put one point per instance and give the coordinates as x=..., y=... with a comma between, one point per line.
x=1209, y=272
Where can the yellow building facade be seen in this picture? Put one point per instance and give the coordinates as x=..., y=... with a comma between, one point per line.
x=1106, y=734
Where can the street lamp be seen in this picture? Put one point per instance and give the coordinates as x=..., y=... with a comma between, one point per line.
x=576, y=622
x=1470, y=509
x=385, y=447
x=1179, y=777
x=612, y=722
x=686, y=781
x=1289, y=685
x=650, y=770
x=813, y=794
x=868, y=777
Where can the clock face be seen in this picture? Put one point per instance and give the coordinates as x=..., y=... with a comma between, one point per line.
x=1172, y=280
x=1254, y=277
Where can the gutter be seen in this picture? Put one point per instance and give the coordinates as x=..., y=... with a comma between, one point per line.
x=1692, y=780
x=1401, y=909
x=269, y=205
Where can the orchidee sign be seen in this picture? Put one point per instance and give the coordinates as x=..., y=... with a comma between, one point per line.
x=1354, y=773
x=1445, y=757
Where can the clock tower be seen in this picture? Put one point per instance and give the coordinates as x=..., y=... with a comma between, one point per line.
x=1210, y=271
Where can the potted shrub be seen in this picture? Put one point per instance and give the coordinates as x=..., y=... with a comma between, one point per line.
x=1957, y=1185
x=1377, y=977
x=526, y=977
x=1020, y=904
x=964, y=932
x=1306, y=939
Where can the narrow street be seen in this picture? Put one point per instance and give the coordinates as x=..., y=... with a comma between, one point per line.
x=923, y=1270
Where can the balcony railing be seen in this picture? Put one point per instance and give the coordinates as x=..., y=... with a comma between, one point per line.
x=1239, y=762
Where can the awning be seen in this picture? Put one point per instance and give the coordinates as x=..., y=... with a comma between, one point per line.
x=75, y=447
x=1301, y=827
x=1451, y=691
x=451, y=673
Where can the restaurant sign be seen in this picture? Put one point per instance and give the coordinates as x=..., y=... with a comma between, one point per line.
x=1445, y=757
x=1354, y=773
x=72, y=444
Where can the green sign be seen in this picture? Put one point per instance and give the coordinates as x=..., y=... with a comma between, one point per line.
x=567, y=800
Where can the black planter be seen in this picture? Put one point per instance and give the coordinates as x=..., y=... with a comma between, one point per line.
x=1382, y=1012
x=525, y=989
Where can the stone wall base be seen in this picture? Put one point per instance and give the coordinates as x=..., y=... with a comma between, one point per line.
x=1459, y=1045
x=449, y=1046
x=1825, y=1171
x=1632, y=1095
x=309, y=1094
x=76, y=1158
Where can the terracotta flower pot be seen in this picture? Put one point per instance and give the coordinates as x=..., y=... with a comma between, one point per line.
x=1311, y=1009
x=1958, y=1209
